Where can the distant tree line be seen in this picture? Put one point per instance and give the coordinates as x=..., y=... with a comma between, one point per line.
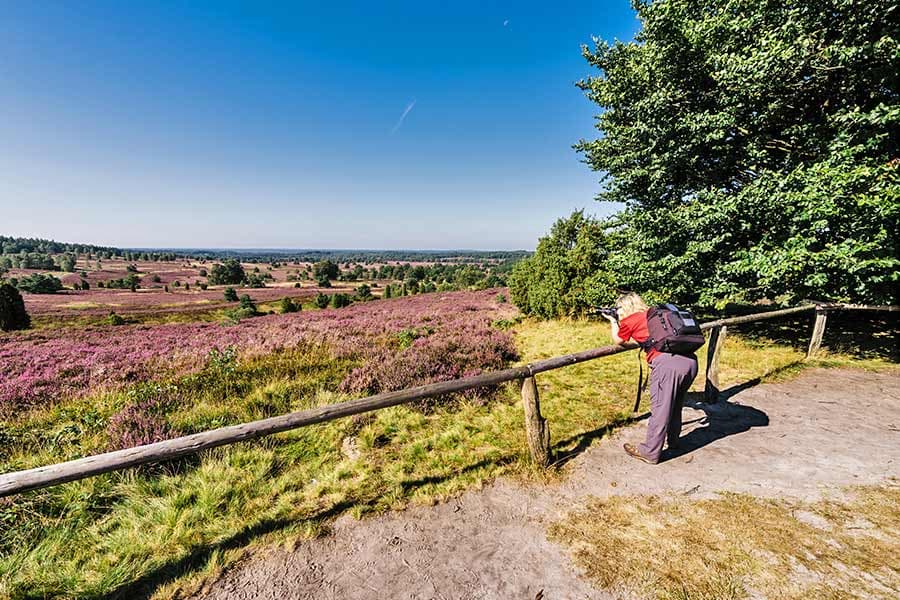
x=367, y=257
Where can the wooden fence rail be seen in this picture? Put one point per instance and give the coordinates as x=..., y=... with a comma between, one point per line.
x=537, y=430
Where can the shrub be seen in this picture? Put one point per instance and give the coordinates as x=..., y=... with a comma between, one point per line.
x=255, y=280
x=230, y=295
x=114, y=319
x=289, y=306
x=340, y=300
x=364, y=292
x=13, y=315
x=325, y=269
x=248, y=304
x=431, y=358
x=39, y=283
x=321, y=300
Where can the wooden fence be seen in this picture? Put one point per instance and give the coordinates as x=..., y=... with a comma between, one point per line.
x=536, y=428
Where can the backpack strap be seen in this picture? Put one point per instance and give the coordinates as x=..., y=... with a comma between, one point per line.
x=637, y=399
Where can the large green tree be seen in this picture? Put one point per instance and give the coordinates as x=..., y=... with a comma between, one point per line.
x=754, y=145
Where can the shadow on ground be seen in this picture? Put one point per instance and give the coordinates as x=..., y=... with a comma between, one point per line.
x=861, y=334
x=723, y=418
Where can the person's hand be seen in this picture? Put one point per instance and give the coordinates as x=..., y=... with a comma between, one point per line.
x=609, y=317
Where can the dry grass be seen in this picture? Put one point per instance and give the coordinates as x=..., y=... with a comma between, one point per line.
x=738, y=546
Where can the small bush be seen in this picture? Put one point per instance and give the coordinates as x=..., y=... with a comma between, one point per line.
x=340, y=300
x=289, y=306
x=432, y=358
x=114, y=319
x=230, y=295
x=321, y=300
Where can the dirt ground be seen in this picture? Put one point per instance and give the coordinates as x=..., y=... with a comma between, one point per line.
x=804, y=438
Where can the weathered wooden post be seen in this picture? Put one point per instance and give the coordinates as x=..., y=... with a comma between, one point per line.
x=536, y=429
x=716, y=339
x=818, y=331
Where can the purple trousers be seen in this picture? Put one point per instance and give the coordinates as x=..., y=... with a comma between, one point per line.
x=670, y=377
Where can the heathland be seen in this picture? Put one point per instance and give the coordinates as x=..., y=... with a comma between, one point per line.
x=181, y=359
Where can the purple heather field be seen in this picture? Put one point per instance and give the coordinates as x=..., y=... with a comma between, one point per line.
x=448, y=335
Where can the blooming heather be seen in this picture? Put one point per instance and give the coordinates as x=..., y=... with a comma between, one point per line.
x=44, y=366
x=461, y=352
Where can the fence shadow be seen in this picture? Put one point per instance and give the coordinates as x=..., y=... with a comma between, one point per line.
x=145, y=587
x=584, y=440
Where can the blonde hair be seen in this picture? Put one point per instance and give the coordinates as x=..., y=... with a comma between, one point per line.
x=629, y=304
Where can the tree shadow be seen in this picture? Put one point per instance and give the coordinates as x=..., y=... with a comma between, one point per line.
x=722, y=419
x=861, y=334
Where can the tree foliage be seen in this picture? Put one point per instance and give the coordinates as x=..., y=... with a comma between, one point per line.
x=39, y=283
x=755, y=147
x=326, y=269
x=13, y=315
x=229, y=272
x=567, y=272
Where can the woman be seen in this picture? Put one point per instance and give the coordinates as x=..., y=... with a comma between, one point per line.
x=670, y=377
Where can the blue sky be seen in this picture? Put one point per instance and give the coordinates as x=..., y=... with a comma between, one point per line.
x=260, y=124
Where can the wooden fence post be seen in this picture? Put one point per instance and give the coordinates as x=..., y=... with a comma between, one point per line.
x=818, y=331
x=536, y=429
x=716, y=339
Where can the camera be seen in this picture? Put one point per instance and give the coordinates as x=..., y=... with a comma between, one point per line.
x=610, y=311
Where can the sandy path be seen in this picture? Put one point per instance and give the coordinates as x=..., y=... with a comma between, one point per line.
x=822, y=430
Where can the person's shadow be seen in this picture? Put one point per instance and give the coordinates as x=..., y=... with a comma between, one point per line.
x=722, y=418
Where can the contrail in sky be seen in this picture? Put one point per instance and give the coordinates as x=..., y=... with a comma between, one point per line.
x=409, y=107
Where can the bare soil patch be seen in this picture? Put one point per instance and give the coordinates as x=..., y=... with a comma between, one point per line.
x=804, y=439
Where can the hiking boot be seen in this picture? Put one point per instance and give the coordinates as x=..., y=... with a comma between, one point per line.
x=632, y=451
